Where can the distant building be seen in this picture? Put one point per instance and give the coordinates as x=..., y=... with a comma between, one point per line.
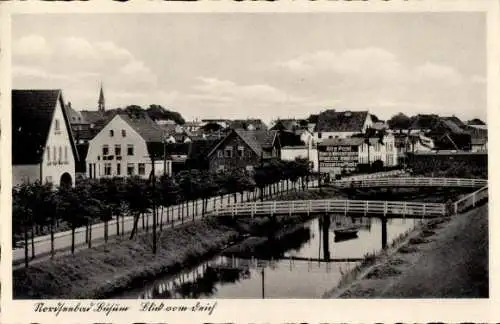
x=248, y=124
x=477, y=123
x=341, y=124
x=43, y=148
x=244, y=150
x=479, y=138
x=125, y=146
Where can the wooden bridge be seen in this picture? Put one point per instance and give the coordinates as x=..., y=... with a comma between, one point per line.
x=409, y=182
x=335, y=206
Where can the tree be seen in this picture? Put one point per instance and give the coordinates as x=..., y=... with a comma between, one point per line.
x=22, y=214
x=399, y=121
x=137, y=196
x=169, y=194
x=71, y=207
x=156, y=112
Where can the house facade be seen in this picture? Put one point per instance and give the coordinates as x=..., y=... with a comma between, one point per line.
x=341, y=124
x=339, y=155
x=124, y=147
x=43, y=148
x=290, y=153
x=244, y=150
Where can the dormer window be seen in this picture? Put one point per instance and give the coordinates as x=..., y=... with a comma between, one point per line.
x=111, y=133
x=124, y=133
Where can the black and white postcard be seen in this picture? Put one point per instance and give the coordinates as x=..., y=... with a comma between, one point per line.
x=238, y=162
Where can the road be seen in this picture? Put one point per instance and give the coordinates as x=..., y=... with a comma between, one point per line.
x=62, y=240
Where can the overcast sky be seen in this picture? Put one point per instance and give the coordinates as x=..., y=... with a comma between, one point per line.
x=259, y=65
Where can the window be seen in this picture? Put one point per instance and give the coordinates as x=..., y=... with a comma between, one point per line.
x=124, y=133
x=118, y=150
x=111, y=133
x=142, y=169
x=228, y=152
x=57, y=126
x=130, y=149
x=130, y=169
x=60, y=154
x=220, y=154
x=118, y=169
x=240, y=151
x=66, y=154
x=107, y=169
x=105, y=150
x=48, y=154
x=319, y=135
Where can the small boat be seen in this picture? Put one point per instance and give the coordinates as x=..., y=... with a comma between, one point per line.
x=349, y=231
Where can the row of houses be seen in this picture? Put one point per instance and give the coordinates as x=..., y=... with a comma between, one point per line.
x=52, y=142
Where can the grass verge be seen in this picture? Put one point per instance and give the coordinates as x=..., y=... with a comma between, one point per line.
x=106, y=270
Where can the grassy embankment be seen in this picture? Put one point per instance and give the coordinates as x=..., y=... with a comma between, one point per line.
x=107, y=269
x=443, y=258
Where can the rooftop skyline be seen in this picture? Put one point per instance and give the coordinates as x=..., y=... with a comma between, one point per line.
x=259, y=65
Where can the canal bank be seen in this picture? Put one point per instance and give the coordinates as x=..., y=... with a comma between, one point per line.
x=446, y=258
x=124, y=265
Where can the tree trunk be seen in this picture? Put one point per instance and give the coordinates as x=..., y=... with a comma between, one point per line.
x=73, y=239
x=136, y=223
x=161, y=218
x=106, y=228
x=86, y=233
x=117, y=225
x=26, y=245
x=90, y=234
x=123, y=224
x=32, y=243
x=52, y=237
x=143, y=222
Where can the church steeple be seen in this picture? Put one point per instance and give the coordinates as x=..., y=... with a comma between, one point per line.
x=101, y=100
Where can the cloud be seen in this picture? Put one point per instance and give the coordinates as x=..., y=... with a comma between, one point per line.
x=31, y=45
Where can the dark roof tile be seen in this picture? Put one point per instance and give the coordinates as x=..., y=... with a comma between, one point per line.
x=341, y=121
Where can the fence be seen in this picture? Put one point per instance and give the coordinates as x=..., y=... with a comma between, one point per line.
x=364, y=207
x=393, y=173
x=470, y=200
x=410, y=182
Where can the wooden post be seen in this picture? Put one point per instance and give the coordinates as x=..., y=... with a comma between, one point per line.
x=474, y=199
x=456, y=208
x=385, y=208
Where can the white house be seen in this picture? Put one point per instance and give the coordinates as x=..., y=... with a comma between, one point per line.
x=290, y=153
x=125, y=147
x=341, y=124
x=43, y=148
x=379, y=150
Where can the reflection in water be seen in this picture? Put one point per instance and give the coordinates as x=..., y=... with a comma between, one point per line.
x=200, y=285
x=302, y=264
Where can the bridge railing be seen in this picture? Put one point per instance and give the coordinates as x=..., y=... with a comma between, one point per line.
x=393, y=173
x=414, y=182
x=363, y=207
x=470, y=200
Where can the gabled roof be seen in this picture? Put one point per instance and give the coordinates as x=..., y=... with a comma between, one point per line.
x=145, y=127
x=452, y=126
x=455, y=120
x=32, y=115
x=353, y=141
x=341, y=121
x=257, y=140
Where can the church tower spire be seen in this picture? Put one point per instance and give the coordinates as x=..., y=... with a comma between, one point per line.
x=101, y=100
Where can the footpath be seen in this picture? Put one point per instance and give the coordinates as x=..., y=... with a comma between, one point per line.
x=446, y=259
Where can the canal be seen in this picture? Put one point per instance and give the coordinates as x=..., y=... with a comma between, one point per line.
x=304, y=264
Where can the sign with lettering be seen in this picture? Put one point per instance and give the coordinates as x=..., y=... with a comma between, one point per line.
x=335, y=158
